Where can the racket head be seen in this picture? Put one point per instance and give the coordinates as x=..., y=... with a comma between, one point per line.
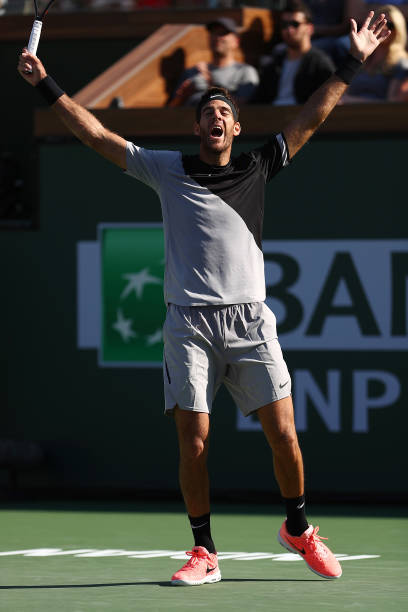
x=46, y=9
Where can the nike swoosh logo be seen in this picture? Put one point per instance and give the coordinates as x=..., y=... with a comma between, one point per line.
x=210, y=569
x=284, y=385
x=300, y=550
x=198, y=526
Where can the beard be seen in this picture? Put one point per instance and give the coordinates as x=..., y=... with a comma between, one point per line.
x=218, y=145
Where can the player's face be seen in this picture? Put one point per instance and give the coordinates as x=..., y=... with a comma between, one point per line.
x=217, y=126
x=295, y=29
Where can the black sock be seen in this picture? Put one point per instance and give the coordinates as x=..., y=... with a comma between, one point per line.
x=201, y=529
x=296, y=522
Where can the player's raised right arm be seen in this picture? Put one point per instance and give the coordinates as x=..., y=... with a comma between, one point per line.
x=363, y=43
x=83, y=124
x=90, y=130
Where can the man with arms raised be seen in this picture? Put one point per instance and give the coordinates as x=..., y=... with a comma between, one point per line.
x=218, y=328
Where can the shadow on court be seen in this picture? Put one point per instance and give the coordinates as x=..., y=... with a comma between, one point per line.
x=149, y=583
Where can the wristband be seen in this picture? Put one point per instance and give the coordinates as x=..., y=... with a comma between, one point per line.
x=49, y=90
x=349, y=69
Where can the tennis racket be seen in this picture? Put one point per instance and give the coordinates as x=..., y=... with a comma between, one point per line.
x=36, y=29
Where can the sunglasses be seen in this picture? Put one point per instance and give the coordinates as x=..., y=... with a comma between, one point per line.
x=291, y=24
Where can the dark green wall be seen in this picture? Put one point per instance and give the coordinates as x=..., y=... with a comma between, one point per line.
x=64, y=60
x=104, y=427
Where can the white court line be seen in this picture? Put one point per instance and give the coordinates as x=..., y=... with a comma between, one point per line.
x=172, y=554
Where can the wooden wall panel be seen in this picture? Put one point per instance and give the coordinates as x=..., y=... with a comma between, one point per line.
x=145, y=76
x=349, y=119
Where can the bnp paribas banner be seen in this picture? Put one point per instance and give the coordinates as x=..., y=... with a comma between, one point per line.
x=341, y=306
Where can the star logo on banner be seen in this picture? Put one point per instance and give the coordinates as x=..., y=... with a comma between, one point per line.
x=154, y=338
x=123, y=326
x=137, y=282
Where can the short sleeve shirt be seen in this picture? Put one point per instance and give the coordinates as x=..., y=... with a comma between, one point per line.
x=212, y=217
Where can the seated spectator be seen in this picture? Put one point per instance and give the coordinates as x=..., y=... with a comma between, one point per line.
x=295, y=69
x=331, y=33
x=240, y=79
x=384, y=76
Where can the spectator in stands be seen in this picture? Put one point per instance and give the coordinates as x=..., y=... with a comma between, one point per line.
x=384, y=77
x=295, y=69
x=331, y=19
x=240, y=79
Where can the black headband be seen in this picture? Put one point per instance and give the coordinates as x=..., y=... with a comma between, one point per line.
x=224, y=99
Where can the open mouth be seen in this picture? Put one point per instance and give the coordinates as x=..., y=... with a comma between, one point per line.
x=216, y=131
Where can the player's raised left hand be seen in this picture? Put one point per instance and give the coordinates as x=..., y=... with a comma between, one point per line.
x=366, y=40
x=30, y=68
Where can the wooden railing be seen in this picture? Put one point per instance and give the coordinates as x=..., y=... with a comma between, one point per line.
x=376, y=119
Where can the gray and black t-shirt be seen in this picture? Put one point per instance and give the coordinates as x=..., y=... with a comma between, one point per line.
x=213, y=218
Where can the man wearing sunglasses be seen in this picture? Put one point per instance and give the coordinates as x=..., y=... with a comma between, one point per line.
x=295, y=69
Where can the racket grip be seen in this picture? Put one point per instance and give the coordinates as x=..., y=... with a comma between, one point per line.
x=34, y=37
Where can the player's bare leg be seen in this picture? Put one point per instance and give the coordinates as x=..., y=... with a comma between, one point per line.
x=296, y=535
x=193, y=429
x=278, y=424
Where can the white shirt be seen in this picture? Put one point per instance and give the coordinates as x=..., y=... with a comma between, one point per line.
x=286, y=94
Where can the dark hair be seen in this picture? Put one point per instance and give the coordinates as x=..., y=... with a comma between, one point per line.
x=297, y=6
x=216, y=91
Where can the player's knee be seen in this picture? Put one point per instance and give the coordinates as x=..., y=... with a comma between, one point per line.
x=192, y=449
x=285, y=438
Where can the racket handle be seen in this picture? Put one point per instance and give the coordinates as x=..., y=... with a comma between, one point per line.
x=34, y=37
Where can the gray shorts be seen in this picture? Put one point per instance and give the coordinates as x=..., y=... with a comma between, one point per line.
x=237, y=345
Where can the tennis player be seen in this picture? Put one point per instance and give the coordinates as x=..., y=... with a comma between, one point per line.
x=218, y=328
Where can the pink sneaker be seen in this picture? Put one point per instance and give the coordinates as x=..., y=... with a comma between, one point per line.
x=202, y=568
x=310, y=547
